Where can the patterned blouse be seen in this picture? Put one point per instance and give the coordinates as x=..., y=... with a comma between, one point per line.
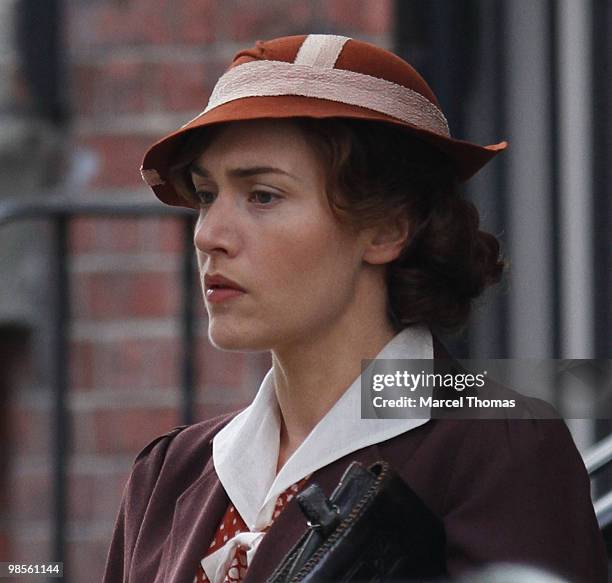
x=231, y=524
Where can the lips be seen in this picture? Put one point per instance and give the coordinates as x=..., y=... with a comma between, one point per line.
x=219, y=288
x=220, y=282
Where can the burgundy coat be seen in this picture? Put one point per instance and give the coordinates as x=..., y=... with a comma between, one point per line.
x=507, y=490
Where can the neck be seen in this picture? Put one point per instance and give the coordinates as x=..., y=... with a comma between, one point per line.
x=310, y=377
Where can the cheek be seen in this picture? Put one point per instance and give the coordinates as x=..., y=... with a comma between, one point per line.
x=313, y=256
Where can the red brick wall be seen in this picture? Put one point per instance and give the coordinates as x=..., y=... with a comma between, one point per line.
x=140, y=68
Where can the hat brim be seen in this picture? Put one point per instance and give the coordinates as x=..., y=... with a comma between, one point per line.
x=467, y=157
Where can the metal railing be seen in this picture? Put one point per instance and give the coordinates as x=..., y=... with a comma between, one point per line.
x=61, y=211
x=597, y=459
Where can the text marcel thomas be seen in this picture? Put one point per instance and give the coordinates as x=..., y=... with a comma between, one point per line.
x=423, y=380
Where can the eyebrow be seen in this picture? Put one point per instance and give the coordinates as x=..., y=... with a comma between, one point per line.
x=241, y=172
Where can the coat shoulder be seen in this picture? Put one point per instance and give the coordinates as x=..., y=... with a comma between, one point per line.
x=190, y=440
x=161, y=441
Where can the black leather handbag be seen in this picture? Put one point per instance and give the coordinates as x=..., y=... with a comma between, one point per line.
x=372, y=528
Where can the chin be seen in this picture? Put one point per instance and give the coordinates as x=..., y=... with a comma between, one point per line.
x=226, y=337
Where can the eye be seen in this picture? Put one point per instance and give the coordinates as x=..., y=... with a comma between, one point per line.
x=205, y=197
x=263, y=197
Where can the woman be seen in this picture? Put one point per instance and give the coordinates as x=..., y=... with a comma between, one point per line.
x=330, y=230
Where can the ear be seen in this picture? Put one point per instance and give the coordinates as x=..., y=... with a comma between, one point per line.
x=385, y=242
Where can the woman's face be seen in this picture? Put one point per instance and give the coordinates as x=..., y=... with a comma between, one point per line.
x=265, y=224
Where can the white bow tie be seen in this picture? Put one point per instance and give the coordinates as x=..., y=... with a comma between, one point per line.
x=217, y=564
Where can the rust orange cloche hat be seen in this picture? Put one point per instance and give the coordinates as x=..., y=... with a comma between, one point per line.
x=320, y=76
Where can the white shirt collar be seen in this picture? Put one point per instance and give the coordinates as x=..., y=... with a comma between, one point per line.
x=245, y=451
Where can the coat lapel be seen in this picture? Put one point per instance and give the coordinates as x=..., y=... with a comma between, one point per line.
x=291, y=523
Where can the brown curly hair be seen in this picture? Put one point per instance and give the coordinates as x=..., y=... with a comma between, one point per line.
x=376, y=171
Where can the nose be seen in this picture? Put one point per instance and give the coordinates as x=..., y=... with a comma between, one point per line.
x=216, y=230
